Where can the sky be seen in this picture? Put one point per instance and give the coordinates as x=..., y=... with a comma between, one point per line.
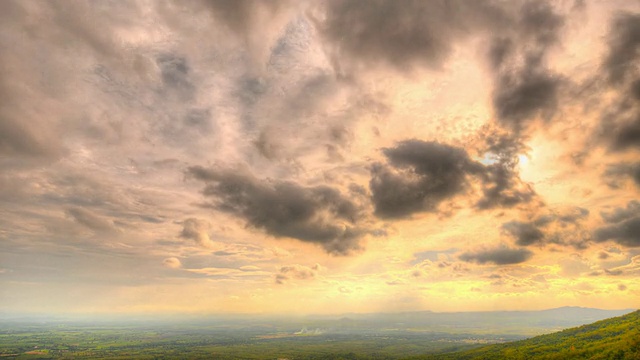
x=316, y=157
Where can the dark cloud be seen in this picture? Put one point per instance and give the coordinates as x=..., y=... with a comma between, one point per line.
x=624, y=47
x=621, y=214
x=521, y=95
x=624, y=226
x=616, y=174
x=635, y=90
x=524, y=88
x=540, y=23
x=524, y=233
x=620, y=125
x=500, y=256
x=503, y=187
x=561, y=226
x=319, y=214
x=401, y=34
x=626, y=135
x=420, y=175
x=565, y=215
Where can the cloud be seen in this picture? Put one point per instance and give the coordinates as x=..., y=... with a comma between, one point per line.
x=523, y=86
x=197, y=230
x=395, y=282
x=626, y=233
x=524, y=233
x=617, y=173
x=175, y=73
x=172, y=263
x=298, y=272
x=560, y=226
x=630, y=269
x=320, y=214
x=501, y=255
x=502, y=186
x=622, y=130
x=401, y=35
x=38, y=91
x=620, y=125
x=624, y=43
x=91, y=220
x=620, y=214
x=258, y=24
x=420, y=175
x=228, y=272
x=624, y=225
x=523, y=94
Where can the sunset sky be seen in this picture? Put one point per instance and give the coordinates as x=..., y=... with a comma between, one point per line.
x=169, y=156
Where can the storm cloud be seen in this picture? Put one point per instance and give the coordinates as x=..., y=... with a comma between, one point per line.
x=319, y=214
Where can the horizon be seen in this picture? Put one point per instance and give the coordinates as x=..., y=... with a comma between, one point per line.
x=312, y=157
x=177, y=318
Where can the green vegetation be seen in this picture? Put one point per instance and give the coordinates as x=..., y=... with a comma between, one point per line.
x=383, y=336
x=616, y=338
x=51, y=341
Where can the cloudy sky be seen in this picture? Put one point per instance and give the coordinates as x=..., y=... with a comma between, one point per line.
x=318, y=156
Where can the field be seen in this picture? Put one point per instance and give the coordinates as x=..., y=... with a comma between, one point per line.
x=347, y=336
x=167, y=341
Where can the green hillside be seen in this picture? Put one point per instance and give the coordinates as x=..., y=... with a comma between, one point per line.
x=615, y=338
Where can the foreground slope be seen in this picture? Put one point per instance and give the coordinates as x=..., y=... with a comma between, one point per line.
x=615, y=338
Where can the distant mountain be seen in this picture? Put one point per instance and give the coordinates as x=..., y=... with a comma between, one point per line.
x=517, y=323
x=616, y=338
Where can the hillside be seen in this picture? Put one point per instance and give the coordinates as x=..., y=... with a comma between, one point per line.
x=616, y=338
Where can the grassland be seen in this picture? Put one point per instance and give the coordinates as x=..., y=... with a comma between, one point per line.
x=419, y=335
x=64, y=341
x=611, y=339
